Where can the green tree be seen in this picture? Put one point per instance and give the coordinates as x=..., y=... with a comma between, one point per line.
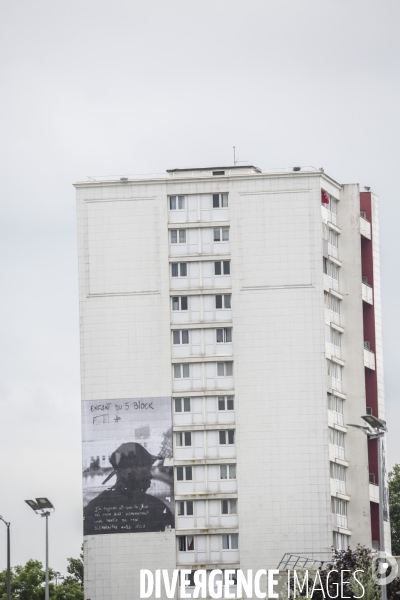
x=394, y=504
x=27, y=582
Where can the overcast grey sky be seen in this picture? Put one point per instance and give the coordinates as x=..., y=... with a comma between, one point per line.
x=122, y=87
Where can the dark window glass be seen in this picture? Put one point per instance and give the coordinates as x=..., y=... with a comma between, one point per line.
x=222, y=437
x=190, y=542
x=182, y=236
x=181, y=202
x=178, y=404
x=183, y=267
x=172, y=202
x=174, y=236
x=224, y=507
x=228, y=335
x=181, y=508
x=229, y=403
x=179, y=473
x=221, y=403
x=227, y=301
x=175, y=303
x=184, y=303
x=182, y=543
x=227, y=267
x=231, y=436
x=189, y=507
x=188, y=438
x=218, y=301
x=189, y=474
x=185, y=336
x=186, y=405
x=174, y=269
x=225, y=234
x=217, y=268
x=176, y=337
x=215, y=200
x=220, y=335
x=217, y=235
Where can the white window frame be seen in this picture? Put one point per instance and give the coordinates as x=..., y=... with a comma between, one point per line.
x=178, y=236
x=223, y=200
x=180, y=335
x=230, y=541
x=181, y=370
x=179, y=303
x=231, y=506
x=178, y=201
x=226, y=437
x=183, y=402
x=183, y=505
x=223, y=301
x=180, y=266
x=221, y=232
x=225, y=270
x=184, y=473
x=225, y=400
x=229, y=468
x=184, y=543
x=226, y=333
x=225, y=368
x=183, y=439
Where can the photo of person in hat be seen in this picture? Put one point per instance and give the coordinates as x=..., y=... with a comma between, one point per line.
x=125, y=506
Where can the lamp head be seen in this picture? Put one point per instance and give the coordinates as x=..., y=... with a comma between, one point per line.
x=375, y=422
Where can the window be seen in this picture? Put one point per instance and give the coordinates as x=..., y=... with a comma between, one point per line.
x=339, y=506
x=340, y=541
x=177, y=202
x=179, y=303
x=220, y=200
x=221, y=234
x=225, y=402
x=222, y=267
x=178, y=236
x=185, y=543
x=227, y=437
x=178, y=269
x=223, y=301
x=225, y=369
x=230, y=542
x=180, y=336
x=227, y=471
x=185, y=508
x=335, y=371
x=333, y=238
x=335, y=404
x=228, y=507
x=182, y=405
x=333, y=336
x=331, y=270
x=337, y=439
x=184, y=474
x=224, y=335
x=181, y=371
x=338, y=473
x=183, y=438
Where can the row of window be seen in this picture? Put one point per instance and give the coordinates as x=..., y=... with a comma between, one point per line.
x=179, y=202
x=223, y=336
x=182, y=370
x=225, y=472
x=228, y=542
x=184, y=404
x=184, y=438
x=221, y=267
x=221, y=301
x=179, y=236
x=228, y=507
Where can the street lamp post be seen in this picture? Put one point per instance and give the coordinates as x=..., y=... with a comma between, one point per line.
x=7, y=524
x=377, y=433
x=44, y=508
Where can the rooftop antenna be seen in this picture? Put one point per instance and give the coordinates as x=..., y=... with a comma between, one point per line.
x=236, y=160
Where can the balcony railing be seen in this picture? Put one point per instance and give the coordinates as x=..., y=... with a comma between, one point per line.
x=365, y=228
x=369, y=359
x=367, y=293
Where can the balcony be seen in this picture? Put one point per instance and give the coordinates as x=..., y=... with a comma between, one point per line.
x=365, y=228
x=374, y=493
x=369, y=359
x=367, y=294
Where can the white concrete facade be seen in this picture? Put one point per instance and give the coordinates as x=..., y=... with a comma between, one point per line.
x=249, y=306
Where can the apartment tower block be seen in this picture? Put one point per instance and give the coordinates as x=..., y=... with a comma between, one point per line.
x=230, y=328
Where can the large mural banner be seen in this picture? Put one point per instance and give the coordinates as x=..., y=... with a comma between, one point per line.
x=128, y=481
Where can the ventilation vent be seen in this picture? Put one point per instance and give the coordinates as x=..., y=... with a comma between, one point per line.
x=218, y=172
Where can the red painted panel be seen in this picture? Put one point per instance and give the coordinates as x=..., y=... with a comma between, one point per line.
x=374, y=521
